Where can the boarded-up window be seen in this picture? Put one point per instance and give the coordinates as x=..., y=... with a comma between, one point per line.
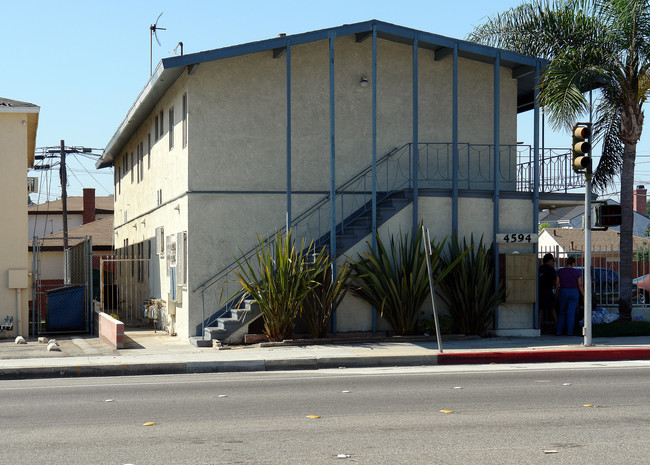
x=521, y=278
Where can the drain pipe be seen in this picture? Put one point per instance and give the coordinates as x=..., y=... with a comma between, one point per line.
x=18, y=295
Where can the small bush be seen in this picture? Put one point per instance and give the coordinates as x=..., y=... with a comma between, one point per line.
x=621, y=329
x=395, y=280
x=469, y=289
x=327, y=293
x=278, y=278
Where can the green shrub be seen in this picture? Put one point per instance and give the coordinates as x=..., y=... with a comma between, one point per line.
x=279, y=279
x=326, y=294
x=395, y=280
x=469, y=289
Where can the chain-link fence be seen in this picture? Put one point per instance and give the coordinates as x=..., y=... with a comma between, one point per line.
x=62, y=286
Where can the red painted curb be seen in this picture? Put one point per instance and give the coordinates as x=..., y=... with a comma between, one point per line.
x=532, y=356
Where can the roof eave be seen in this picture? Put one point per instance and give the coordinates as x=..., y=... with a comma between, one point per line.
x=169, y=69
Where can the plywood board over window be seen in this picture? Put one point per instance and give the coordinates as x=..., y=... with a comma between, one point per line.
x=521, y=278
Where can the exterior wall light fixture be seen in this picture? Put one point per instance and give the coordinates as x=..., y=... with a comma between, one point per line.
x=363, y=82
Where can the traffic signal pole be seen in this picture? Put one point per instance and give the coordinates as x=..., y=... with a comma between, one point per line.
x=586, y=329
x=581, y=163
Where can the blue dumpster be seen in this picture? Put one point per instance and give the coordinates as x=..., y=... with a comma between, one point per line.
x=65, y=308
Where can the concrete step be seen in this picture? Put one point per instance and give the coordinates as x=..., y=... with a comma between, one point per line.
x=214, y=332
x=198, y=341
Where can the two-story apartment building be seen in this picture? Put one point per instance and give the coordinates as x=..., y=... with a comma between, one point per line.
x=316, y=130
x=18, y=126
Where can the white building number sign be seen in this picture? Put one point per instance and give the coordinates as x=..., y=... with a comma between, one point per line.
x=516, y=238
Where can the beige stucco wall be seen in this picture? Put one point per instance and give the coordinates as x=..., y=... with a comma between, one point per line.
x=138, y=210
x=14, y=142
x=235, y=165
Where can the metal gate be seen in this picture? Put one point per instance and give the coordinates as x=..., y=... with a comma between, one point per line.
x=124, y=287
x=62, y=286
x=605, y=265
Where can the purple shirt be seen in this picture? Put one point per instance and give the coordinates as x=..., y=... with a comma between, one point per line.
x=569, y=277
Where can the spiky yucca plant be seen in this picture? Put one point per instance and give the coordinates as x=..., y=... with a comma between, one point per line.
x=395, y=280
x=326, y=295
x=278, y=278
x=469, y=290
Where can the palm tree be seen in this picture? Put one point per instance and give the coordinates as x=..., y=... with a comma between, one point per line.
x=601, y=45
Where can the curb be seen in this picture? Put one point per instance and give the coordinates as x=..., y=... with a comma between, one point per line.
x=541, y=356
x=316, y=363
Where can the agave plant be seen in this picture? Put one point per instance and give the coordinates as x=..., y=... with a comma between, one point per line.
x=395, y=280
x=326, y=294
x=469, y=290
x=278, y=278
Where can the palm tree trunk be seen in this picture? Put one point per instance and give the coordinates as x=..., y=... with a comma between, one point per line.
x=627, y=227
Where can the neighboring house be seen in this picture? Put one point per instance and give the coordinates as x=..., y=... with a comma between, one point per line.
x=101, y=233
x=564, y=242
x=572, y=217
x=51, y=256
x=47, y=218
x=320, y=129
x=18, y=126
x=563, y=217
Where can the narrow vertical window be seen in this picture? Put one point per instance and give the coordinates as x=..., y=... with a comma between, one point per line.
x=171, y=128
x=132, y=166
x=119, y=180
x=149, y=151
x=155, y=124
x=162, y=124
x=141, y=160
x=184, y=120
x=137, y=163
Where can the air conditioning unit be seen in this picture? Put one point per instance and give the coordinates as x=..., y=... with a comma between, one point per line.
x=32, y=185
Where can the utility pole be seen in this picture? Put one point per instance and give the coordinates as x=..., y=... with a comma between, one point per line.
x=61, y=151
x=64, y=197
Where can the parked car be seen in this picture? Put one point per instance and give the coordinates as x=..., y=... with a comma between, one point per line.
x=642, y=284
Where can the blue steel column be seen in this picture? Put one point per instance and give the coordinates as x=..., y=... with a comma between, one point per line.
x=374, y=138
x=332, y=155
x=454, y=144
x=288, y=219
x=374, y=154
x=332, y=165
x=416, y=158
x=497, y=172
x=536, y=175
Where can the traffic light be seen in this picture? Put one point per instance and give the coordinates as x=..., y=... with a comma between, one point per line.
x=581, y=148
x=607, y=215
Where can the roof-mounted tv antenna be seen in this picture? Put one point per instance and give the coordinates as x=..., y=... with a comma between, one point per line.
x=153, y=33
x=180, y=45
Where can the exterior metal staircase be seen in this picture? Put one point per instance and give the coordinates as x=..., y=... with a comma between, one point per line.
x=354, y=199
x=232, y=325
x=394, y=182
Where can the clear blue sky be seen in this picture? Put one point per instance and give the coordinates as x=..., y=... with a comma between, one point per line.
x=85, y=62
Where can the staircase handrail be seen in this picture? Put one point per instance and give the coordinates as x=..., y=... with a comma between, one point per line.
x=305, y=214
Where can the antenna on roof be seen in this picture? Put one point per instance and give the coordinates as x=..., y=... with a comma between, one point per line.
x=153, y=33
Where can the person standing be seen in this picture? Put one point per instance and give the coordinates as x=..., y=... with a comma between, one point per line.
x=548, y=290
x=570, y=291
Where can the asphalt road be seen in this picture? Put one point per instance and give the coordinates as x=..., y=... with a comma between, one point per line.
x=525, y=414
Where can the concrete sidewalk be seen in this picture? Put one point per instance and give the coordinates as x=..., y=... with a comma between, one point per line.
x=147, y=352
